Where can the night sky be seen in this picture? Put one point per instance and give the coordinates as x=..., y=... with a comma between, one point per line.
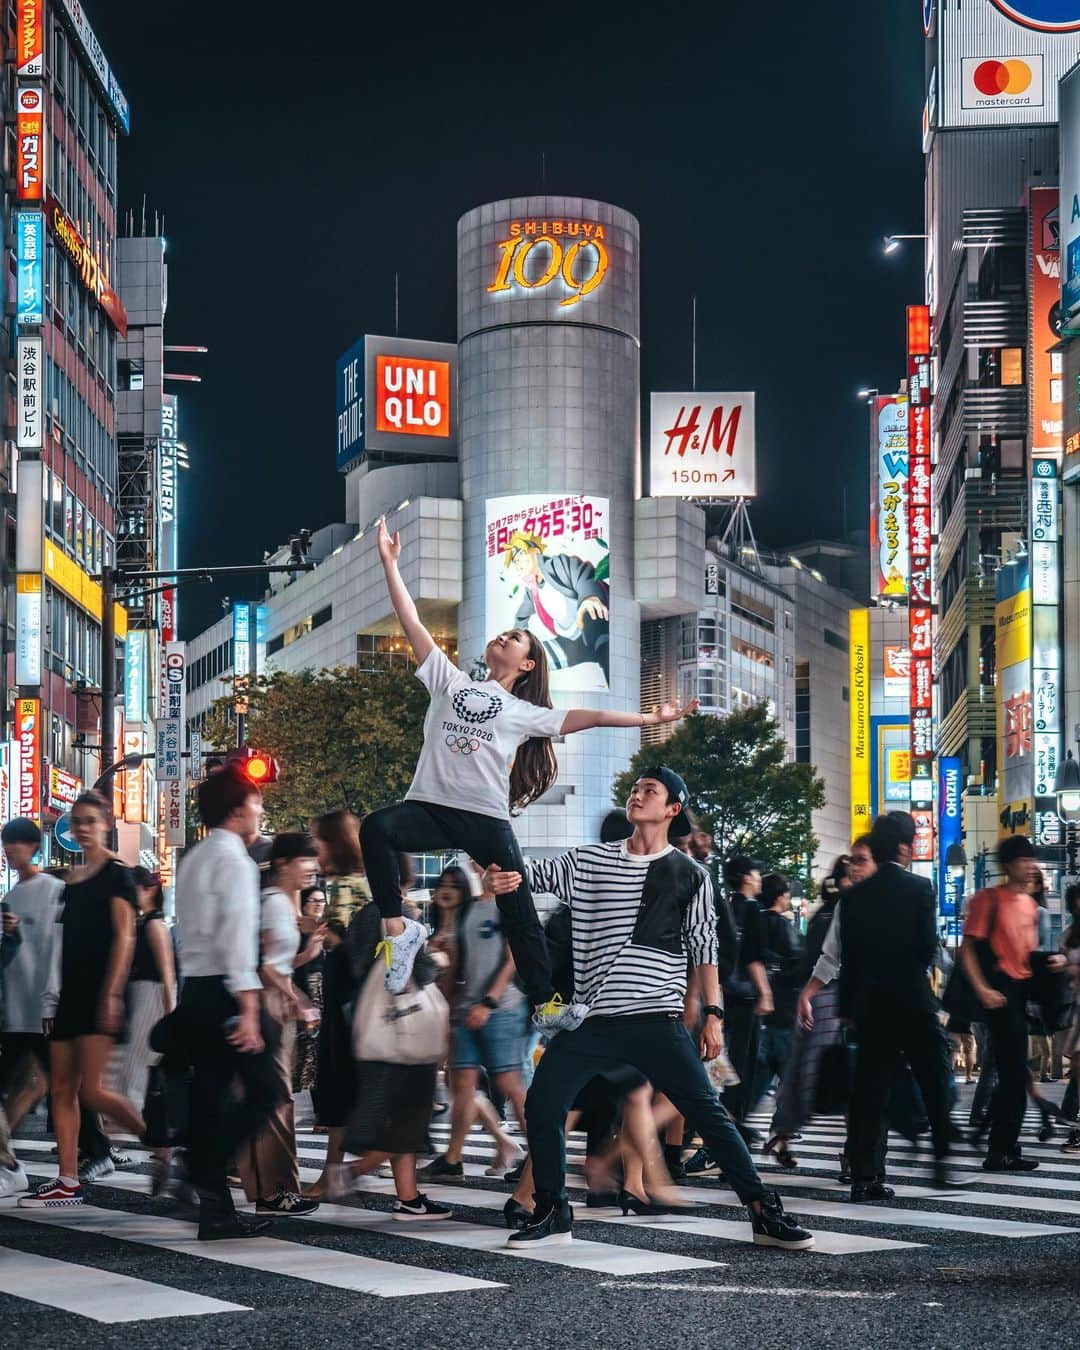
x=765, y=148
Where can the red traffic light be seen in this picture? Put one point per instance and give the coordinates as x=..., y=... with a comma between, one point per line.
x=259, y=766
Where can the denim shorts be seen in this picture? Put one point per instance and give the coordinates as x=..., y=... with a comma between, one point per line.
x=498, y=1046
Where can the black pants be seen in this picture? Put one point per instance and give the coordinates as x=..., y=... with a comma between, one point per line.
x=220, y=1120
x=742, y=1029
x=1009, y=1036
x=662, y=1049
x=883, y=1035
x=419, y=827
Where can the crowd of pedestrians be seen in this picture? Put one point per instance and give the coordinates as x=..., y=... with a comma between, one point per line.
x=671, y=995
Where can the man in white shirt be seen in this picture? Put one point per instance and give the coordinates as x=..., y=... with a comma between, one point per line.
x=217, y=911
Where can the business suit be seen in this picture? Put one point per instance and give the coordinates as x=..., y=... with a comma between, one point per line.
x=889, y=938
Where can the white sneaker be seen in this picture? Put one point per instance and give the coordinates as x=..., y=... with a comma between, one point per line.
x=13, y=1180
x=555, y=1015
x=505, y=1159
x=340, y=1182
x=403, y=949
x=385, y=1170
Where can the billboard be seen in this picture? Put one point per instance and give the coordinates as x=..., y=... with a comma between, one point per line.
x=86, y=263
x=134, y=780
x=135, y=672
x=889, y=573
x=896, y=678
x=1047, y=711
x=30, y=143
x=30, y=267
x=920, y=586
x=567, y=260
x=950, y=823
x=547, y=570
x=30, y=39
x=1069, y=143
x=64, y=787
x=1015, y=732
x=1000, y=62
x=28, y=735
x=30, y=394
x=1044, y=321
x=859, y=658
x=395, y=396
x=28, y=628
x=891, y=764
x=702, y=445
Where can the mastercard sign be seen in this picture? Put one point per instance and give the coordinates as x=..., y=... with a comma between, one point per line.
x=1045, y=16
x=1003, y=82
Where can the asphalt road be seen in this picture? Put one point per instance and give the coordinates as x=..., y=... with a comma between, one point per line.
x=989, y=1265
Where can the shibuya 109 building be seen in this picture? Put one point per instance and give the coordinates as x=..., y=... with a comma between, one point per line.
x=511, y=462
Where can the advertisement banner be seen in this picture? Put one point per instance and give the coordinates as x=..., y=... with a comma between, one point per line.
x=891, y=764
x=889, y=496
x=262, y=625
x=1015, y=731
x=28, y=628
x=135, y=683
x=920, y=588
x=859, y=657
x=548, y=570
x=1070, y=197
x=30, y=39
x=30, y=143
x=170, y=727
x=241, y=631
x=897, y=672
x=1045, y=363
x=950, y=826
x=702, y=445
x=412, y=396
x=30, y=267
x=64, y=787
x=86, y=263
x=28, y=734
x=134, y=780
x=30, y=395
x=167, y=473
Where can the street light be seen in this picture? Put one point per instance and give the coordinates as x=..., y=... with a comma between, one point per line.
x=892, y=241
x=867, y=393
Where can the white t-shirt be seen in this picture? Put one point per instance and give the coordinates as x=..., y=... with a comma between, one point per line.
x=471, y=734
x=280, y=931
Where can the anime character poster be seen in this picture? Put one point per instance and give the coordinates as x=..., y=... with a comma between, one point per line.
x=547, y=571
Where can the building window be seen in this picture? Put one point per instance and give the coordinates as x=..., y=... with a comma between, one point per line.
x=802, y=712
x=835, y=640
x=129, y=374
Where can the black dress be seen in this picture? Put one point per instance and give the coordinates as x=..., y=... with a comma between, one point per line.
x=87, y=944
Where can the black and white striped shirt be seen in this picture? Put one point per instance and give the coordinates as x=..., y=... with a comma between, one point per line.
x=602, y=884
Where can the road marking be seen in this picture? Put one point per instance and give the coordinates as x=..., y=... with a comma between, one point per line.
x=755, y=1289
x=340, y=1270
x=101, y=1295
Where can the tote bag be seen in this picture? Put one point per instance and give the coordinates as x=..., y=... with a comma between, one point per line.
x=408, y=1028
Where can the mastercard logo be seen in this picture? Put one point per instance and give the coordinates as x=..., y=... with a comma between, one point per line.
x=994, y=78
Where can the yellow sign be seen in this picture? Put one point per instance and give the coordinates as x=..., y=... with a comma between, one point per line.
x=68, y=576
x=900, y=766
x=859, y=695
x=539, y=251
x=1013, y=620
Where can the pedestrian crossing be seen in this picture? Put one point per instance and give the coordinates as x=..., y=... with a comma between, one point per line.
x=358, y=1250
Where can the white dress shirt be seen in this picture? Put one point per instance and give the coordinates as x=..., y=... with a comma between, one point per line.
x=280, y=931
x=217, y=912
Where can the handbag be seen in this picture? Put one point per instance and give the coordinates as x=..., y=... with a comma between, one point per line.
x=408, y=1028
x=1051, y=991
x=959, y=999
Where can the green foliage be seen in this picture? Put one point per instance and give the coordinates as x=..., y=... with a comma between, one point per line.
x=344, y=738
x=742, y=789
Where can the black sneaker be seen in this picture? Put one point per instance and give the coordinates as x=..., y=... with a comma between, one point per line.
x=420, y=1208
x=700, y=1164
x=222, y=1230
x=773, y=1228
x=866, y=1192
x=998, y=1162
x=844, y=1175
x=286, y=1205
x=441, y=1167
x=554, y=1227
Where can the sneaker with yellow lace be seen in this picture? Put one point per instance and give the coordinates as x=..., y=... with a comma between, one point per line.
x=555, y=1015
x=399, y=953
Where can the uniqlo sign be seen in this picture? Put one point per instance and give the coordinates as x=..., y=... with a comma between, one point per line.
x=412, y=396
x=30, y=138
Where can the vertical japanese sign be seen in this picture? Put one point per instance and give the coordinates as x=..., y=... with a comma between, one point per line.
x=30, y=394
x=30, y=39
x=30, y=143
x=262, y=623
x=28, y=734
x=135, y=676
x=1015, y=732
x=889, y=499
x=135, y=799
x=1045, y=357
x=170, y=744
x=28, y=628
x=167, y=506
x=241, y=621
x=859, y=655
x=30, y=267
x=1046, y=674
x=920, y=596
x=950, y=825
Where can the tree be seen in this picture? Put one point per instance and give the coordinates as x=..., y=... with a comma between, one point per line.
x=742, y=789
x=345, y=738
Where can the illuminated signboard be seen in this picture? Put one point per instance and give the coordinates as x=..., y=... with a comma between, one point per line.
x=702, y=445
x=1047, y=713
x=30, y=267
x=889, y=501
x=28, y=734
x=920, y=603
x=30, y=39
x=950, y=825
x=80, y=26
x=28, y=628
x=1015, y=730
x=1045, y=363
x=395, y=396
x=1070, y=197
x=30, y=138
x=135, y=684
x=64, y=787
x=135, y=802
x=412, y=396
x=1045, y=16
x=568, y=255
x=1002, y=81
x=859, y=656
x=547, y=570
x=86, y=263
x=30, y=394
x=897, y=672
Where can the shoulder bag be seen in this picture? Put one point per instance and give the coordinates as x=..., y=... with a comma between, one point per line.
x=408, y=1028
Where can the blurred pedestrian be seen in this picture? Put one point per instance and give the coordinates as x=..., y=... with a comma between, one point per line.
x=785, y=965
x=337, y=836
x=308, y=978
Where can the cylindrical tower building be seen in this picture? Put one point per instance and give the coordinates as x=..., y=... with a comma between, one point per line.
x=548, y=333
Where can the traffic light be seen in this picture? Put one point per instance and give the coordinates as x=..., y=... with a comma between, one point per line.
x=262, y=768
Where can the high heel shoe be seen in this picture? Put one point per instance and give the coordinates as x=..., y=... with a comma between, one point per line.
x=515, y=1215
x=778, y=1147
x=629, y=1203
x=603, y=1199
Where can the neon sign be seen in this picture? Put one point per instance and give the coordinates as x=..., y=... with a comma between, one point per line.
x=540, y=251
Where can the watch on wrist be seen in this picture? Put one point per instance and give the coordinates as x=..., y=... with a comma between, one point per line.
x=714, y=1010
x=488, y=1002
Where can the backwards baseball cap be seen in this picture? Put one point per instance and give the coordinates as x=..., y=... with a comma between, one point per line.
x=21, y=831
x=681, y=825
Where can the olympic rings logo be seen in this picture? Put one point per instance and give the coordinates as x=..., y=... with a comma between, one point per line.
x=462, y=745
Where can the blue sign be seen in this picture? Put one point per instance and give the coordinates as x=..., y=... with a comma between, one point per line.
x=135, y=676
x=262, y=623
x=30, y=267
x=1045, y=16
x=241, y=631
x=1070, y=290
x=64, y=837
x=350, y=406
x=950, y=828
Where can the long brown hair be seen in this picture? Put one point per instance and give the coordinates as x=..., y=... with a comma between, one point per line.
x=535, y=767
x=340, y=832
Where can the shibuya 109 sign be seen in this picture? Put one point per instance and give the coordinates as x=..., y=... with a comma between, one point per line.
x=702, y=445
x=569, y=256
